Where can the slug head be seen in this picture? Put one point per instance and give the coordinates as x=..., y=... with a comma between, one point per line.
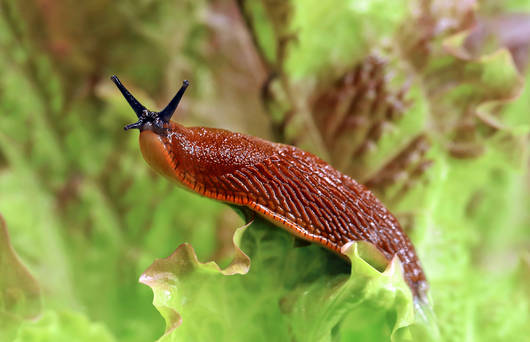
x=149, y=120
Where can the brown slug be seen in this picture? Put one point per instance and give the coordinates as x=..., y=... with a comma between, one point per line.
x=289, y=187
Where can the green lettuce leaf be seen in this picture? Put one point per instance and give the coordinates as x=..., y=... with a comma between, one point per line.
x=19, y=291
x=304, y=294
x=63, y=327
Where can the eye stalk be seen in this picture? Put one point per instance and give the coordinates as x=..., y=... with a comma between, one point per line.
x=166, y=114
x=145, y=116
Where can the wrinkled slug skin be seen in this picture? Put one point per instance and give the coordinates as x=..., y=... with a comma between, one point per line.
x=288, y=186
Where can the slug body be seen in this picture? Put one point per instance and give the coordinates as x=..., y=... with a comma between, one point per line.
x=290, y=187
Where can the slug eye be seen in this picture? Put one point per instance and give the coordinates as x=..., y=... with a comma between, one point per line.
x=133, y=102
x=158, y=119
x=166, y=114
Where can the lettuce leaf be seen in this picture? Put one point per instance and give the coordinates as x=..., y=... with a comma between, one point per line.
x=288, y=293
x=64, y=326
x=19, y=291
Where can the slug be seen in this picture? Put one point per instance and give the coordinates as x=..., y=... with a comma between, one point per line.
x=291, y=188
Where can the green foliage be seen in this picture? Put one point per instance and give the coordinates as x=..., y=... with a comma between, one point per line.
x=63, y=327
x=334, y=33
x=19, y=292
x=284, y=290
x=87, y=217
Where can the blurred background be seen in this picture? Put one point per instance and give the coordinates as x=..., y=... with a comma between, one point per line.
x=426, y=102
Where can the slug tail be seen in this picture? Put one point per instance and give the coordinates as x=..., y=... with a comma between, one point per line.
x=426, y=321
